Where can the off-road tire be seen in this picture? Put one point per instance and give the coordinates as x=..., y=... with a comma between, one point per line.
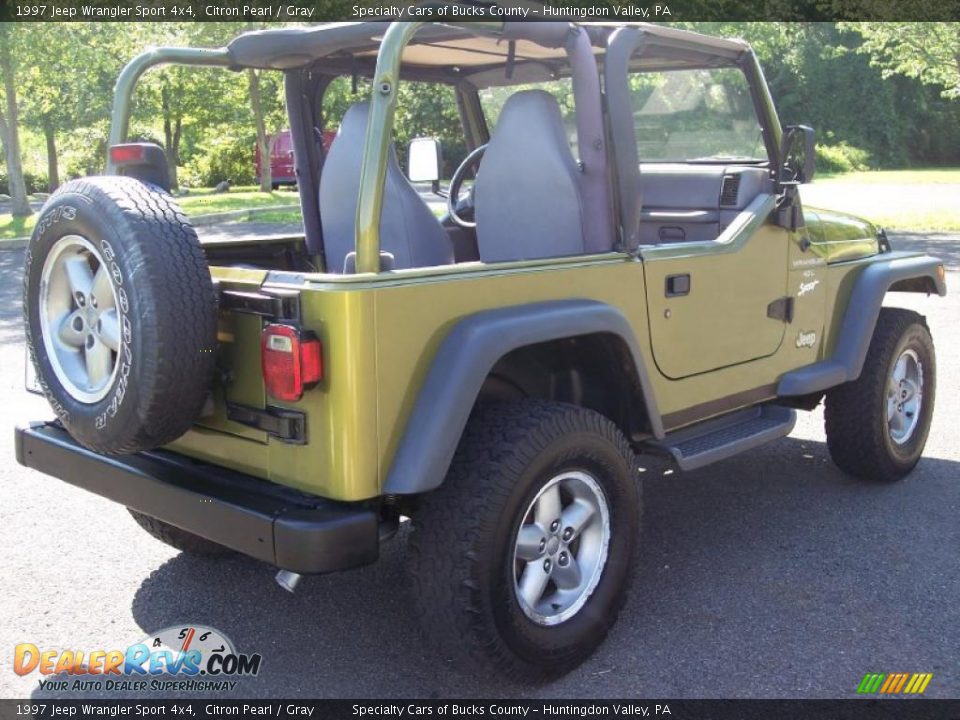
x=855, y=413
x=462, y=542
x=167, y=311
x=180, y=539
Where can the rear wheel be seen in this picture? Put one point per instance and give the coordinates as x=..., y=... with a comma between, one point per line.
x=522, y=559
x=877, y=426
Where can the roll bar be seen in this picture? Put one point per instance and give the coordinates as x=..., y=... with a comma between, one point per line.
x=383, y=107
x=123, y=90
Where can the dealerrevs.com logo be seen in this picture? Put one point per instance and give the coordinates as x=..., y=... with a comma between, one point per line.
x=180, y=658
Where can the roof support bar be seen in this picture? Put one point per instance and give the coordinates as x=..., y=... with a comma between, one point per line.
x=373, y=171
x=383, y=106
x=123, y=91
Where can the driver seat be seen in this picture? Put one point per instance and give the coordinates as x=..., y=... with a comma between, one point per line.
x=527, y=194
x=410, y=235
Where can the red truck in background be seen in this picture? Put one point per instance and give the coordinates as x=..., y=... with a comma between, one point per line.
x=282, y=171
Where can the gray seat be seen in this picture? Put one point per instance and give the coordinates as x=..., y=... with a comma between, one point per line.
x=527, y=193
x=409, y=232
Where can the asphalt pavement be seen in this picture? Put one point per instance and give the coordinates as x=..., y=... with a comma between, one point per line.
x=768, y=575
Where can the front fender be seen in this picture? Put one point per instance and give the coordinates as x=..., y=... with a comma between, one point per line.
x=894, y=271
x=465, y=358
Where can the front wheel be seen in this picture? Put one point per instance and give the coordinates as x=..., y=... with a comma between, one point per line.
x=522, y=559
x=877, y=426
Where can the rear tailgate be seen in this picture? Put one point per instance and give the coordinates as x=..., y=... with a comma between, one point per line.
x=320, y=443
x=238, y=381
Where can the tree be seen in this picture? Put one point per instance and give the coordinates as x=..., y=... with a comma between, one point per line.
x=184, y=97
x=928, y=51
x=10, y=124
x=72, y=87
x=268, y=118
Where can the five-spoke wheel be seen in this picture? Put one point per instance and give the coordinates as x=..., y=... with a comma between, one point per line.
x=877, y=425
x=522, y=558
x=904, y=396
x=561, y=548
x=78, y=318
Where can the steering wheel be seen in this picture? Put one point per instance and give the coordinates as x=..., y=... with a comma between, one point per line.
x=458, y=177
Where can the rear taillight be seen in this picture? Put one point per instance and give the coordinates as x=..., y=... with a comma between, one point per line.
x=292, y=361
x=133, y=153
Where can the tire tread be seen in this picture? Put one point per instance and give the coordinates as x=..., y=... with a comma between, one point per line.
x=498, y=444
x=855, y=435
x=167, y=264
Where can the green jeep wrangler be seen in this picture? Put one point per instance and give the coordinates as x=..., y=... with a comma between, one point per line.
x=632, y=274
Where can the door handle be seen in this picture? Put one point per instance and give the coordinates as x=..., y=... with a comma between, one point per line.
x=677, y=285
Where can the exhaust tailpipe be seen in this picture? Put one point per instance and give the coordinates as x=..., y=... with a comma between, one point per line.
x=288, y=580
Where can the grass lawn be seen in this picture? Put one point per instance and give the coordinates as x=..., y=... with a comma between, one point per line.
x=906, y=200
x=279, y=216
x=201, y=202
x=11, y=227
x=934, y=176
x=197, y=202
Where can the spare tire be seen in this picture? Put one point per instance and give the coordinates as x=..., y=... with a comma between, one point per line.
x=121, y=314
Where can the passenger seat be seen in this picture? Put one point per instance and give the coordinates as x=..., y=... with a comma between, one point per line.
x=410, y=235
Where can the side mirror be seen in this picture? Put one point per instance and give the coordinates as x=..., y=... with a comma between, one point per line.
x=797, y=154
x=424, y=160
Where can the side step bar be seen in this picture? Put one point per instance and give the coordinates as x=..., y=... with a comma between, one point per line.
x=726, y=436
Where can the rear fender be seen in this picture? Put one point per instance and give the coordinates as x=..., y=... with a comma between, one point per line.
x=465, y=359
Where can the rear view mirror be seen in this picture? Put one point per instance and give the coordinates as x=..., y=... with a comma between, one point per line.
x=798, y=154
x=424, y=159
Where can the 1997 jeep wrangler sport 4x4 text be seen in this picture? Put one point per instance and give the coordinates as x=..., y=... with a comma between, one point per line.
x=634, y=276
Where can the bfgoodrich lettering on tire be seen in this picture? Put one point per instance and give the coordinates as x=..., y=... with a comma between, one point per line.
x=522, y=558
x=877, y=426
x=120, y=314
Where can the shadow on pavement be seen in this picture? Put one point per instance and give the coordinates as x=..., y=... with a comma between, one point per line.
x=943, y=245
x=767, y=575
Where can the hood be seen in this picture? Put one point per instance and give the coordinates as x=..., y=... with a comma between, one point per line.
x=838, y=237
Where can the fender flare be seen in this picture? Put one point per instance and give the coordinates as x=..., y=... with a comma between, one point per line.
x=462, y=363
x=859, y=321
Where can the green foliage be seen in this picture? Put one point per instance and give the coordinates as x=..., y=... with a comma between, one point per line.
x=83, y=151
x=841, y=158
x=927, y=51
x=887, y=94
x=429, y=110
x=423, y=110
x=35, y=181
x=818, y=77
x=222, y=154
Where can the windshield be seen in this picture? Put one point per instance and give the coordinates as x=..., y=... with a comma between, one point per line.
x=695, y=115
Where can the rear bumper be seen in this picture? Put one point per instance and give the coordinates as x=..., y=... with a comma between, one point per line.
x=281, y=526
